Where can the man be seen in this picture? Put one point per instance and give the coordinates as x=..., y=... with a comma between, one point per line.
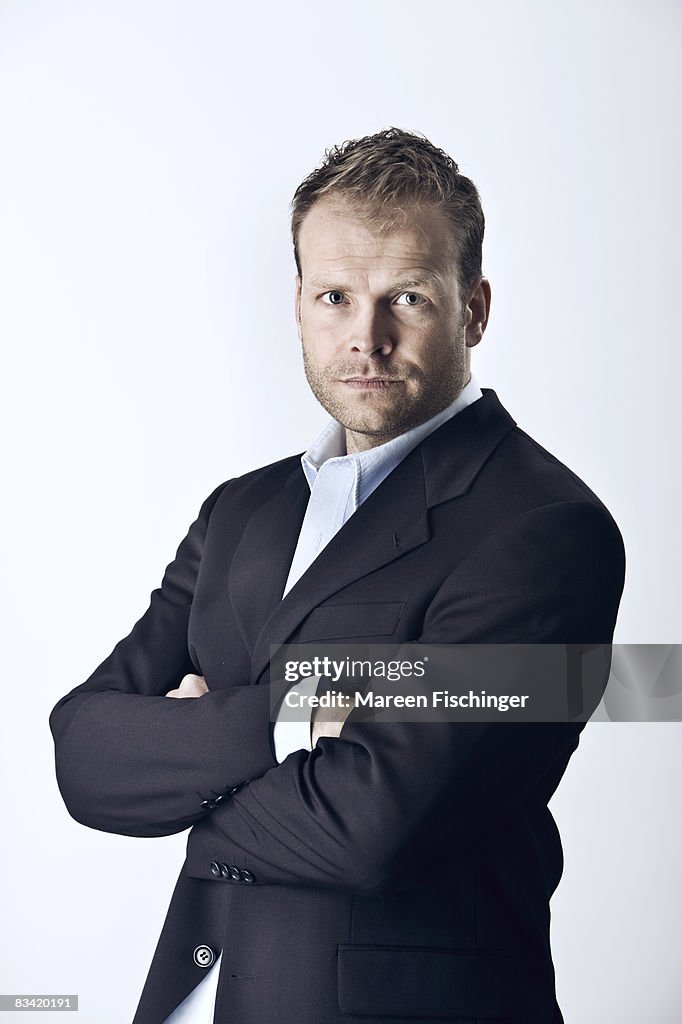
x=396, y=870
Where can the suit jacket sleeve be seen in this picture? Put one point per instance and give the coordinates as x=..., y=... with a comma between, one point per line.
x=133, y=761
x=353, y=813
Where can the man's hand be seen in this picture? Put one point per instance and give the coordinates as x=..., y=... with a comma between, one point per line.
x=191, y=686
x=329, y=721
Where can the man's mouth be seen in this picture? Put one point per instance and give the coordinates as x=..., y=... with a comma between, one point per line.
x=370, y=383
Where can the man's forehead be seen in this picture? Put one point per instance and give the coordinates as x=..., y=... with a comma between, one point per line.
x=339, y=236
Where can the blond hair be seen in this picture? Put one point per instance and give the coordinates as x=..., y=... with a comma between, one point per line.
x=382, y=174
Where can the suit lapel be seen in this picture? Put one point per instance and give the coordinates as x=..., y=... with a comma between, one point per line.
x=260, y=565
x=455, y=454
x=392, y=521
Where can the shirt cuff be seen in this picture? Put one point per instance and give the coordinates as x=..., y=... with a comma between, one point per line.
x=288, y=735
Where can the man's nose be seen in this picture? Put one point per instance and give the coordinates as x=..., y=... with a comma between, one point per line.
x=370, y=332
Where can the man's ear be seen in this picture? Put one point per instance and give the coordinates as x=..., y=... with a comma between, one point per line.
x=297, y=306
x=477, y=311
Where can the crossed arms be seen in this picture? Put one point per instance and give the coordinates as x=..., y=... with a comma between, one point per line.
x=348, y=813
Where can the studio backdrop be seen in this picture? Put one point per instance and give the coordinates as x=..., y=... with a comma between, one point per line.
x=149, y=154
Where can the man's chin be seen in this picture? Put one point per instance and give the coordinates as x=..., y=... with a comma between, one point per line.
x=378, y=416
x=374, y=429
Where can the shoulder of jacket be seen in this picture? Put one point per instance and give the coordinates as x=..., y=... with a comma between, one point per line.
x=265, y=479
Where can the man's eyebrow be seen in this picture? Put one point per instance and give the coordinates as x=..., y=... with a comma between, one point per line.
x=420, y=281
x=404, y=284
x=323, y=282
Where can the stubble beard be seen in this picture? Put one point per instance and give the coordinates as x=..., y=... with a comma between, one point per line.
x=385, y=416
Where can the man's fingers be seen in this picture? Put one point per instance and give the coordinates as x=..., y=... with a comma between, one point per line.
x=191, y=686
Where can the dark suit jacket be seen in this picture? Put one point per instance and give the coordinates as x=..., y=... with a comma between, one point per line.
x=402, y=871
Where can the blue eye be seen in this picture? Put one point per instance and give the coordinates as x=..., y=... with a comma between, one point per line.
x=333, y=298
x=410, y=299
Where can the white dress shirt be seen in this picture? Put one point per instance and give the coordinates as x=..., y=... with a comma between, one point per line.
x=339, y=483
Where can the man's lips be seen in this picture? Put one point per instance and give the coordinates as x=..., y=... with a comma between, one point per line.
x=369, y=383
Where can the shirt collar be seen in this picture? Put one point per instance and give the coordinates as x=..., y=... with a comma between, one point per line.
x=379, y=461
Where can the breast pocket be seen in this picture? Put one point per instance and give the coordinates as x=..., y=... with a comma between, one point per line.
x=349, y=621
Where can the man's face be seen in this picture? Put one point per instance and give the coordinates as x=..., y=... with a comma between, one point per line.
x=382, y=322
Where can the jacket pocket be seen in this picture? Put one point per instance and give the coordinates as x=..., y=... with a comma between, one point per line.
x=427, y=981
x=345, y=621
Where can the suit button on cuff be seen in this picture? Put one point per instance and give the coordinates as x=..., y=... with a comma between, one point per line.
x=235, y=874
x=207, y=805
x=246, y=875
x=215, y=869
x=225, y=870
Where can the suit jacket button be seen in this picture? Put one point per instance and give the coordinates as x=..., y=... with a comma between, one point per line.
x=207, y=805
x=225, y=870
x=246, y=875
x=235, y=873
x=215, y=869
x=204, y=956
x=219, y=798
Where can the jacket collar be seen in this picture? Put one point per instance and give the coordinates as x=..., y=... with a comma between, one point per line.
x=453, y=455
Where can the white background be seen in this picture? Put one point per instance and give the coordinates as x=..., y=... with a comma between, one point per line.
x=149, y=151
